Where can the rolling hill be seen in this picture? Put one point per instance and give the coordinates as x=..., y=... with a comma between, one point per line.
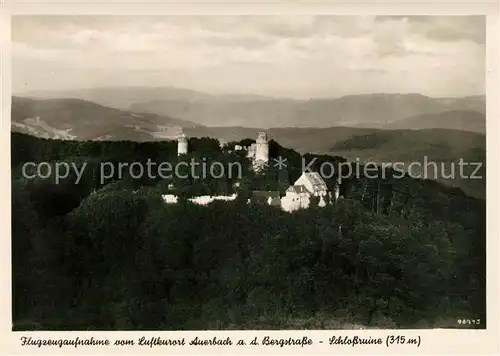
x=423, y=148
x=368, y=110
x=465, y=120
x=84, y=120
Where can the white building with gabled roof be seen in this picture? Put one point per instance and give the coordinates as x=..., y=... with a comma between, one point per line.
x=313, y=183
x=298, y=195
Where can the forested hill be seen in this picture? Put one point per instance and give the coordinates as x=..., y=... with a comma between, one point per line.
x=111, y=255
x=418, y=149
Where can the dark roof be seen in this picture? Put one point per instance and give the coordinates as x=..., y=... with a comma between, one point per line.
x=266, y=194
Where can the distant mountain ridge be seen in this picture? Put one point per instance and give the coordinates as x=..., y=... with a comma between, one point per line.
x=366, y=110
x=124, y=97
x=378, y=109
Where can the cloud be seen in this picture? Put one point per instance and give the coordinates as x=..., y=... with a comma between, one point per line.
x=443, y=28
x=276, y=55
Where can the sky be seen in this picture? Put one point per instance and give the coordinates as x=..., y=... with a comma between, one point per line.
x=294, y=56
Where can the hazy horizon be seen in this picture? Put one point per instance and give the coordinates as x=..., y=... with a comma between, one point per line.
x=296, y=57
x=34, y=94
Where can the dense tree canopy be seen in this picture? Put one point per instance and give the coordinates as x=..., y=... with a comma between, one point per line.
x=112, y=255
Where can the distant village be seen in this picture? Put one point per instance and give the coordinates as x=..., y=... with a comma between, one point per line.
x=309, y=186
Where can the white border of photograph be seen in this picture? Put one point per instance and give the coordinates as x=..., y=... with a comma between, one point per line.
x=436, y=341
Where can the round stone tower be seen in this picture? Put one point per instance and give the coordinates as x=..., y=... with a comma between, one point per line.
x=262, y=148
x=182, y=144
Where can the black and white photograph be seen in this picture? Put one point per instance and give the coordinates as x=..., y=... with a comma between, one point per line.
x=248, y=172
